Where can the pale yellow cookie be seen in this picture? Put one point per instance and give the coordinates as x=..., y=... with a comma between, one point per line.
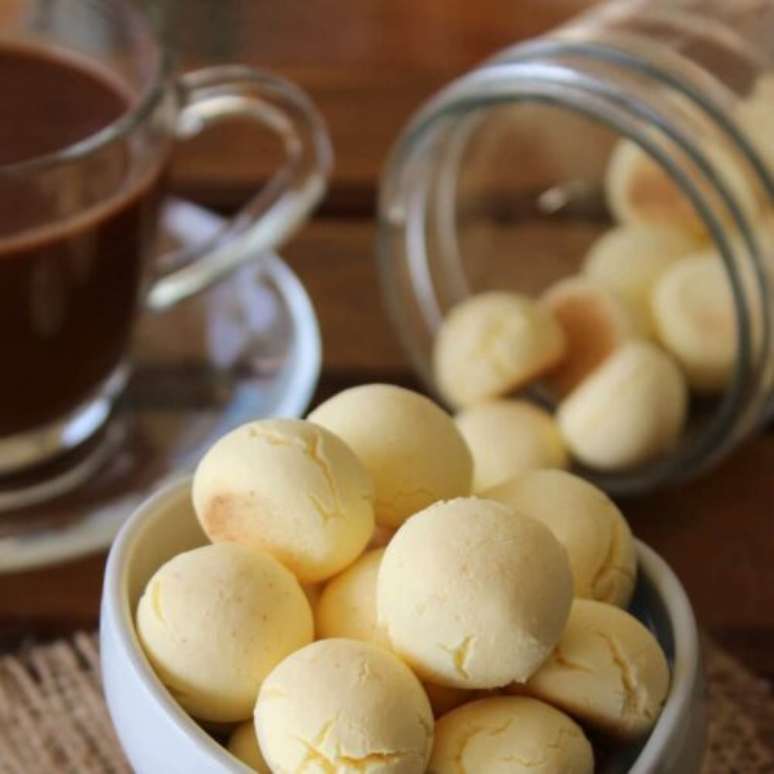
x=291, y=488
x=629, y=260
x=410, y=446
x=347, y=608
x=595, y=322
x=695, y=320
x=347, y=604
x=343, y=705
x=492, y=344
x=586, y=522
x=507, y=437
x=608, y=671
x=215, y=621
x=473, y=594
x=630, y=411
x=639, y=190
x=509, y=735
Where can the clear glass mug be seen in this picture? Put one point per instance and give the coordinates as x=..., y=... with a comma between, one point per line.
x=501, y=182
x=78, y=222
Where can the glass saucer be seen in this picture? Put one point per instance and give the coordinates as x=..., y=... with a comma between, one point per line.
x=248, y=347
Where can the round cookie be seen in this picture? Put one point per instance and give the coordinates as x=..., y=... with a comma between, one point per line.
x=509, y=735
x=629, y=260
x=473, y=594
x=410, y=446
x=347, y=605
x=695, y=320
x=586, y=522
x=291, y=488
x=639, y=190
x=347, y=608
x=493, y=343
x=630, y=411
x=608, y=671
x=243, y=744
x=344, y=705
x=595, y=322
x=215, y=621
x=507, y=437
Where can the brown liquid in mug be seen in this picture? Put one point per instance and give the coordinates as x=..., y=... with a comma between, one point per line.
x=73, y=240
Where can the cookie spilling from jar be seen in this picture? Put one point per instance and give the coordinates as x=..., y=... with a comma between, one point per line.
x=622, y=400
x=359, y=608
x=623, y=350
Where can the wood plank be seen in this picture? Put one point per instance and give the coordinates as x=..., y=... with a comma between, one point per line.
x=336, y=261
x=52, y=602
x=717, y=534
x=404, y=35
x=367, y=67
x=364, y=117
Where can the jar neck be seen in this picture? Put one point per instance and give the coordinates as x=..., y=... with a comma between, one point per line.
x=653, y=98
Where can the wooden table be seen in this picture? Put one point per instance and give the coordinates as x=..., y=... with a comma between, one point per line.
x=368, y=66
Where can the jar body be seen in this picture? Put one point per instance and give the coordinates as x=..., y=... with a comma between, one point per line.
x=502, y=182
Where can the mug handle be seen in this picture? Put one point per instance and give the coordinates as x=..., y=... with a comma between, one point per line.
x=272, y=215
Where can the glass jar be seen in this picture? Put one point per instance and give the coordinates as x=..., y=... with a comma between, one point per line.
x=499, y=182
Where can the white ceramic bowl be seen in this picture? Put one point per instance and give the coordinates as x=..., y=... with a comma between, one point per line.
x=159, y=737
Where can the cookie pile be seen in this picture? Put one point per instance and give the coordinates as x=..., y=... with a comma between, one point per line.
x=621, y=347
x=359, y=609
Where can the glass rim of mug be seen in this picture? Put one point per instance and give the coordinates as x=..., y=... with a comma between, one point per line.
x=150, y=95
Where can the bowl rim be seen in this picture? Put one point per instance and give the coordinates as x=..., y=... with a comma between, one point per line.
x=685, y=666
x=116, y=614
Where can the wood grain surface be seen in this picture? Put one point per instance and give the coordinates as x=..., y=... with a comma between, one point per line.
x=368, y=66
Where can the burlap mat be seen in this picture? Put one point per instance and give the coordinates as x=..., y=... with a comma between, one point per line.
x=53, y=717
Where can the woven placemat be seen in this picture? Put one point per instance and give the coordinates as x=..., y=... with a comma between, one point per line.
x=53, y=717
